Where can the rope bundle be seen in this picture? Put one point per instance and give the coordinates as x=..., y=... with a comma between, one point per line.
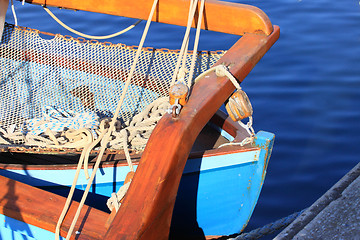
x=139, y=129
x=66, y=129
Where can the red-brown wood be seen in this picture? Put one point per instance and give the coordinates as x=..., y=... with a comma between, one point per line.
x=42, y=209
x=147, y=208
x=219, y=16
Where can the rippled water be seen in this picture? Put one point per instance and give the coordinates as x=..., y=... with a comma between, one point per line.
x=305, y=90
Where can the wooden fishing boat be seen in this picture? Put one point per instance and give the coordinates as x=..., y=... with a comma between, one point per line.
x=187, y=184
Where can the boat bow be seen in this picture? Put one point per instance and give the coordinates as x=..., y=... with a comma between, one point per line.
x=147, y=208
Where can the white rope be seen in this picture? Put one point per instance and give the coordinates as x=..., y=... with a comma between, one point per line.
x=179, y=74
x=191, y=15
x=114, y=200
x=3, y=141
x=183, y=70
x=83, y=159
x=112, y=124
x=57, y=120
x=126, y=150
x=140, y=127
x=138, y=130
x=248, y=127
x=221, y=71
x=69, y=197
x=86, y=35
x=12, y=135
x=196, y=43
x=14, y=13
x=192, y=9
x=144, y=123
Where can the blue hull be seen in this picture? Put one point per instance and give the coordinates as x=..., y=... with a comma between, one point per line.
x=216, y=196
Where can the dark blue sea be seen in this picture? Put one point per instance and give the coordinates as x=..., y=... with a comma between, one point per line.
x=306, y=90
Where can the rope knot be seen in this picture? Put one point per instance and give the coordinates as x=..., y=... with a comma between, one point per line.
x=114, y=200
x=221, y=70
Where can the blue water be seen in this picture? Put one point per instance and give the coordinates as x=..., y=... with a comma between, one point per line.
x=305, y=90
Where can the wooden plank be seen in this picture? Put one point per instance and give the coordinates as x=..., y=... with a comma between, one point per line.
x=147, y=208
x=219, y=16
x=42, y=209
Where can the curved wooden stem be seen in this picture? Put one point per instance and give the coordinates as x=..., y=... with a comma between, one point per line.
x=147, y=208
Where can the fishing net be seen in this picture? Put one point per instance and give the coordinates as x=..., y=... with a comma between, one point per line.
x=70, y=83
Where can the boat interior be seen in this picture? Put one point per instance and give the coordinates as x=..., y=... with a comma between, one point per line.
x=216, y=133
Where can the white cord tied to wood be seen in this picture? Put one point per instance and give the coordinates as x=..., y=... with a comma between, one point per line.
x=179, y=74
x=114, y=200
x=137, y=132
x=222, y=71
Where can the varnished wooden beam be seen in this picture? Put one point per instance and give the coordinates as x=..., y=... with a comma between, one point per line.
x=147, y=208
x=219, y=16
x=42, y=209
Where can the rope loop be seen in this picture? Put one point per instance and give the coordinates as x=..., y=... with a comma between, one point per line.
x=221, y=70
x=114, y=200
x=86, y=35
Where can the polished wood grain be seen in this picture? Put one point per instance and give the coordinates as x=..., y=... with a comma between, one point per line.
x=42, y=209
x=147, y=208
x=219, y=16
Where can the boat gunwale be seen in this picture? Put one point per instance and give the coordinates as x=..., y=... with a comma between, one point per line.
x=122, y=162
